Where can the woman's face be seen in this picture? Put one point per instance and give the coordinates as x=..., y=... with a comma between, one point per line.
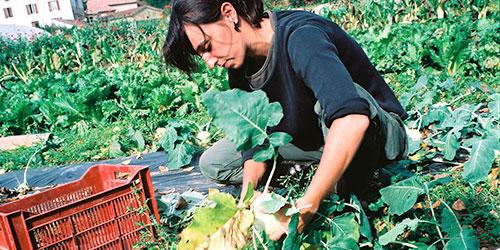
x=218, y=44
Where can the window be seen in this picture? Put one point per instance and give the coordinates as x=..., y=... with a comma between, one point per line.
x=31, y=9
x=35, y=24
x=8, y=12
x=54, y=5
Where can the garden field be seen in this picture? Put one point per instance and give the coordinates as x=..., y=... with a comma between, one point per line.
x=103, y=92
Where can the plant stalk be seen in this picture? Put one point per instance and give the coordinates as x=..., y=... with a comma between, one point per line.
x=268, y=182
x=432, y=212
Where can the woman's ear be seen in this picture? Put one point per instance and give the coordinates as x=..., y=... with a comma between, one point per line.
x=228, y=12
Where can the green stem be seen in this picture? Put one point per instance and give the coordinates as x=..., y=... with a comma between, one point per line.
x=25, y=179
x=442, y=142
x=275, y=159
x=405, y=244
x=435, y=242
x=432, y=211
x=256, y=233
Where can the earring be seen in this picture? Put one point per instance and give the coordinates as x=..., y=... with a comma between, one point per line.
x=237, y=25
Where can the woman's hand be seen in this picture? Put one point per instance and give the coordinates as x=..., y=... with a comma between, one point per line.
x=306, y=210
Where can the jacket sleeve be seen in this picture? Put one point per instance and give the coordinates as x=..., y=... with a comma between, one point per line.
x=314, y=58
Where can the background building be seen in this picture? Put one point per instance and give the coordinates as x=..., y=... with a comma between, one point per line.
x=34, y=13
x=103, y=8
x=144, y=12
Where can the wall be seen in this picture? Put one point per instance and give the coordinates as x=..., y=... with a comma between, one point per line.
x=147, y=14
x=43, y=17
x=123, y=7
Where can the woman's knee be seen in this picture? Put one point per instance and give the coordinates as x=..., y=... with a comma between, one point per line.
x=221, y=163
x=207, y=166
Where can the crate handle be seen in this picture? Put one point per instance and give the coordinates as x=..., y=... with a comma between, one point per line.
x=123, y=175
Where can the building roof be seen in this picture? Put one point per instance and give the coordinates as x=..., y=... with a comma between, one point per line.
x=75, y=22
x=12, y=31
x=132, y=12
x=100, y=6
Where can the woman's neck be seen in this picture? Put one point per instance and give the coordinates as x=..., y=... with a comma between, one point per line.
x=259, y=39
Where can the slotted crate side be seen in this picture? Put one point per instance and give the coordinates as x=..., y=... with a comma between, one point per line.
x=87, y=216
x=93, y=216
x=50, y=230
x=88, y=224
x=129, y=240
x=98, y=236
x=115, y=245
x=62, y=200
x=52, y=233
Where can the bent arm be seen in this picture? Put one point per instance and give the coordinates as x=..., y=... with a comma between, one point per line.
x=341, y=144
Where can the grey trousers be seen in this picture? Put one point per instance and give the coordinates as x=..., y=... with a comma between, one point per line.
x=384, y=142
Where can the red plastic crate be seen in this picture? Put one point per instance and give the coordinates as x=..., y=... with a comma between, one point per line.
x=105, y=209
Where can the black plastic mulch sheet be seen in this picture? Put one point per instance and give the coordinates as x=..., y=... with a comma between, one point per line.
x=170, y=181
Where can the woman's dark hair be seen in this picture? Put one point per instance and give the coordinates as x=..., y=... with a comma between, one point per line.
x=177, y=49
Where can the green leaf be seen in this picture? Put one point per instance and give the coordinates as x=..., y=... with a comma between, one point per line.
x=67, y=105
x=365, y=228
x=179, y=157
x=435, y=114
x=270, y=204
x=345, y=231
x=465, y=240
x=422, y=246
x=293, y=240
x=115, y=149
x=346, y=244
x=402, y=196
x=207, y=220
x=421, y=82
x=480, y=160
x=244, y=117
x=451, y=144
x=248, y=194
x=137, y=136
x=460, y=238
x=494, y=105
x=400, y=228
x=459, y=117
x=168, y=139
x=440, y=181
x=264, y=154
x=278, y=139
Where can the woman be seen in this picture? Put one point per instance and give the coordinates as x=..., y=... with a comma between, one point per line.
x=336, y=106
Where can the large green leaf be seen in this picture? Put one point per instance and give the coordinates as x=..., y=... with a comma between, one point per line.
x=168, y=139
x=494, y=105
x=460, y=238
x=180, y=156
x=270, y=203
x=264, y=154
x=293, y=240
x=345, y=231
x=465, y=240
x=402, y=196
x=365, y=228
x=459, y=117
x=207, y=220
x=243, y=116
x=451, y=144
x=137, y=136
x=279, y=139
x=480, y=161
x=69, y=106
x=400, y=228
x=115, y=149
